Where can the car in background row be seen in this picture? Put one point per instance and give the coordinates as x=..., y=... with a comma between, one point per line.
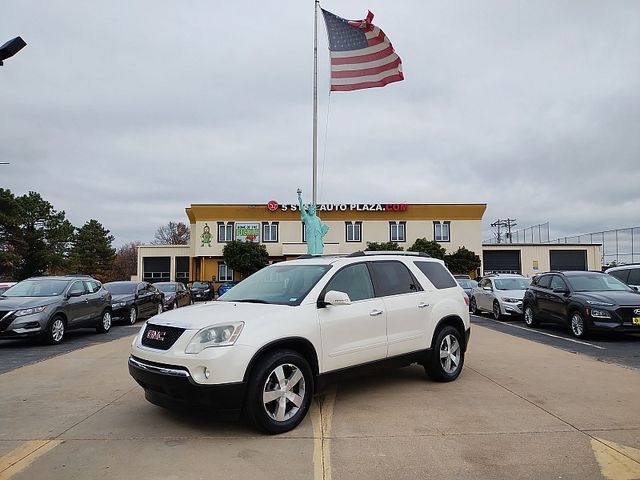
x=133, y=300
x=466, y=284
x=4, y=286
x=46, y=307
x=225, y=287
x=499, y=294
x=202, y=291
x=175, y=294
x=583, y=301
x=629, y=274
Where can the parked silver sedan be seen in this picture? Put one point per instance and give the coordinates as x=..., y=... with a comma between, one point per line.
x=499, y=295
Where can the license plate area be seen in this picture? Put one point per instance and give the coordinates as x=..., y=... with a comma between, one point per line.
x=635, y=320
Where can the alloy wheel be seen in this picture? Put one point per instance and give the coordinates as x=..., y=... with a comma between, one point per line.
x=133, y=316
x=450, y=353
x=57, y=330
x=106, y=321
x=284, y=392
x=528, y=316
x=577, y=325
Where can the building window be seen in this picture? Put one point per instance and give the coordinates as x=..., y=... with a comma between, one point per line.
x=225, y=232
x=441, y=231
x=397, y=231
x=225, y=274
x=304, y=235
x=353, y=231
x=269, y=232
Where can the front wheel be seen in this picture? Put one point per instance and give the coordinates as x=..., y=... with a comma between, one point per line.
x=447, y=357
x=105, y=322
x=280, y=390
x=133, y=316
x=496, y=310
x=578, y=325
x=530, y=317
x=55, y=331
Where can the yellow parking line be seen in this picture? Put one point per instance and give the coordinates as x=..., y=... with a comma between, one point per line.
x=21, y=457
x=321, y=413
x=617, y=462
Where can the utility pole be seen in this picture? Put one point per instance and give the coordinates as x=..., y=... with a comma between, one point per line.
x=508, y=223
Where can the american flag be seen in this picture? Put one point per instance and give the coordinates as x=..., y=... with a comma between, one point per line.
x=361, y=54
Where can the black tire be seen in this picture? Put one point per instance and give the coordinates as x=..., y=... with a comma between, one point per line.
x=446, y=369
x=174, y=305
x=530, y=319
x=132, y=315
x=578, y=325
x=55, y=331
x=497, y=314
x=264, y=379
x=105, y=322
x=474, y=306
x=159, y=309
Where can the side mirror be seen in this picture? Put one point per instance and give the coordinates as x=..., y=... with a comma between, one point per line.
x=333, y=297
x=74, y=294
x=488, y=289
x=635, y=288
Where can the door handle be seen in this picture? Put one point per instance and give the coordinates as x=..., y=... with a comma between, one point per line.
x=423, y=305
x=375, y=313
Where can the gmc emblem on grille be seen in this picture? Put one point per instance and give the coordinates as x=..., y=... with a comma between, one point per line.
x=156, y=335
x=637, y=311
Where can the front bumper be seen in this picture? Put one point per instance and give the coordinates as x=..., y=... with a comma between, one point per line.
x=616, y=327
x=511, y=308
x=23, y=327
x=172, y=386
x=119, y=313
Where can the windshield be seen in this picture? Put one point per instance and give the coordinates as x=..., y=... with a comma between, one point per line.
x=466, y=283
x=120, y=288
x=37, y=288
x=200, y=285
x=166, y=287
x=278, y=284
x=512, y=283
x=596, y=283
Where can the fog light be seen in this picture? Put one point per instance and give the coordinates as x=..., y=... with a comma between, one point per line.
x=207, y=372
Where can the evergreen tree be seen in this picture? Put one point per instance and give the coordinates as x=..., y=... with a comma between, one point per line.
x=383, y=246
x=92, y=253
x=245, y=257
x=9, y=232
x=429, y=247
x=462, y=261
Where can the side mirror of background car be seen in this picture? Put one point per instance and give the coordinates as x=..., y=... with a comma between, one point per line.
x=488, y=289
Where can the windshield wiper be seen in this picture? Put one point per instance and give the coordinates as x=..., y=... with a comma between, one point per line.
x=249, y=300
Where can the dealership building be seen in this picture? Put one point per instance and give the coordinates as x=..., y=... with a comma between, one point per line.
x=280, y=229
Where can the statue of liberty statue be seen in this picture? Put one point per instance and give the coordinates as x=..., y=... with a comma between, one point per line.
x=314, y=229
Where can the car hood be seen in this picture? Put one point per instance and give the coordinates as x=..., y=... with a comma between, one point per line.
x=123, y=297
x=17, y=303
x=195, y=317
x=511, y=293
x=617, y=298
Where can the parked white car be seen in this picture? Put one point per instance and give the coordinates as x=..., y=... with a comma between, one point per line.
x=629, y=274
x=283, y=333
x=499, y=295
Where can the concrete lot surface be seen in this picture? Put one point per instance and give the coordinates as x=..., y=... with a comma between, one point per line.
x=519, y=410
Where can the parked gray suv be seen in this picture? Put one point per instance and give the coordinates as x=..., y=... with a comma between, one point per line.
x=46, y=307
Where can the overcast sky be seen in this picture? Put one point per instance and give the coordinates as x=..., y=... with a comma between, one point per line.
x=128, y=112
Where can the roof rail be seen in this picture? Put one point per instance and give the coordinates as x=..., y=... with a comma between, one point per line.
x=364, y=253
x=320, y=255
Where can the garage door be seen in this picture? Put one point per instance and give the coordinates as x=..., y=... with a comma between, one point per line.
x=501, y=261
x=156, y=269
x=568, y=259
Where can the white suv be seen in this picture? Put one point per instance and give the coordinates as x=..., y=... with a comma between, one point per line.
x=280, y=335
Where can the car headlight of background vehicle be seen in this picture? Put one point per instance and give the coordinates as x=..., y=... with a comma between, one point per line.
x=30, y=311
x=511, y=299
x=118, y=304
x=215, y=336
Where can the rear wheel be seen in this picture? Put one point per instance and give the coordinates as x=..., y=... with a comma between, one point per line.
x=474, y=306
x=530, y=317
x=55, y=331
x=104, y=325
x=447, y=357
x=174, y=305
x=280, y=390
x=578, y=325
x=496, y=310
x=133, y=315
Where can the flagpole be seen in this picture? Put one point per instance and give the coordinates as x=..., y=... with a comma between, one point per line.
x=315, y=102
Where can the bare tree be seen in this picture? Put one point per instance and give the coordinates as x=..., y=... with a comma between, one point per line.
x=172, y=234
x=126, y=261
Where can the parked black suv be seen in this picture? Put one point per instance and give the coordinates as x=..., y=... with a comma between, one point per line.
x=46, y=307
x=584, y=301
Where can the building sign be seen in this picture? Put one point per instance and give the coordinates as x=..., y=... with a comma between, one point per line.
x=247, y=232
x=536, y=265
x=343, y=207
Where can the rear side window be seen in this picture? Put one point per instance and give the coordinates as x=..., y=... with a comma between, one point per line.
x=437, y=274
x=544, y=281
x=620, y=275
x=353, y=280
x=393, y=278
x=634, y=276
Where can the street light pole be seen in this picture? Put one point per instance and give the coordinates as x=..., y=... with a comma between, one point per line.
x=10, y=48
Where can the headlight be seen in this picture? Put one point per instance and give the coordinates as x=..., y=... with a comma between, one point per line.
x=600, y=313
x=511, y=300
x=30, y=311
x=118, y=304
x=215, y=336
x=601, y=304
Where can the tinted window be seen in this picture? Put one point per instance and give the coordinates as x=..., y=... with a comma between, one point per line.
x=466, y=283
x=353, y=280
x=439, y=276
x=486, y=283
x=544, y=281
x=77, y=287
x=120, y=288
x=634, y=276
x=620, y=274
x=558, y=283
x=596, y=283
x=167, y=287
x=392, y=278
x=37, y=288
